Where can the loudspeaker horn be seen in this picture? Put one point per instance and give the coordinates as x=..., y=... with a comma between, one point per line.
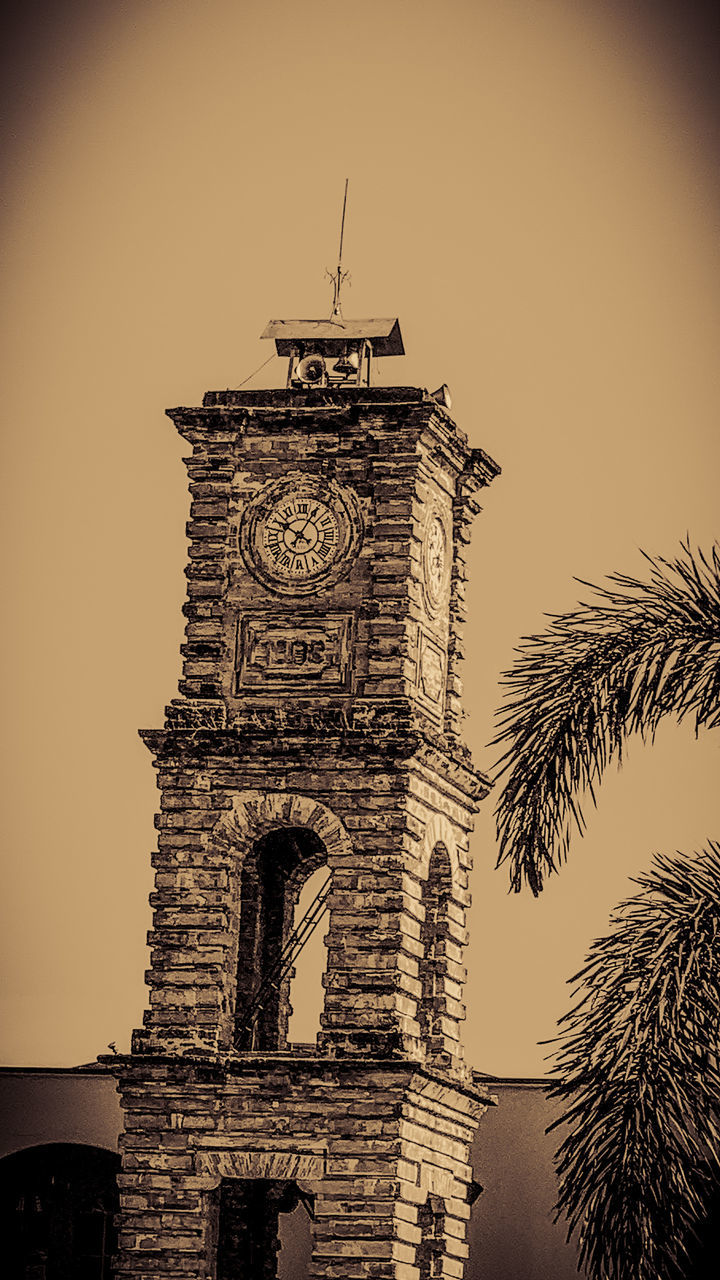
x=443, y=397
x=310, y=369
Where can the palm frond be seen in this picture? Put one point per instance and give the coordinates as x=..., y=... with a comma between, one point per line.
x=636, y=653
x=637, y=1067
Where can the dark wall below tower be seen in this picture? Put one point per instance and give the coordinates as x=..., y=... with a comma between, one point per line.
x=512, y=1234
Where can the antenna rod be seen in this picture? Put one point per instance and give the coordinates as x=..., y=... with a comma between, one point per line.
x=342, y=225
x=337, y=279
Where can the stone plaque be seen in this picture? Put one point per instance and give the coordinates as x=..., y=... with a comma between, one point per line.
x=431, y=671
x=286, y=652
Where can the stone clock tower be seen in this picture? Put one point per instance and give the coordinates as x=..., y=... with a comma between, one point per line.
x=318, y=726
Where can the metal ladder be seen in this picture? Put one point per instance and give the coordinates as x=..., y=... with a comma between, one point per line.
x=273, y=980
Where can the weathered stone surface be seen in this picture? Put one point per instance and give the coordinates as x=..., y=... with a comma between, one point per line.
x=369, y=1141
x=312, y=730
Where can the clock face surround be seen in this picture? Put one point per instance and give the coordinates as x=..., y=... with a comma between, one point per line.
x=300, y=534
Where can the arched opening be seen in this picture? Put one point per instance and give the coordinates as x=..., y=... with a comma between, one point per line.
x=434, y=964
x=273, y=873
x=57, y=1209
x=307, y=993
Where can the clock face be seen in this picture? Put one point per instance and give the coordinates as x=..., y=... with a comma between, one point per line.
x=435, y=557
x=300, y=534
x=435, y=562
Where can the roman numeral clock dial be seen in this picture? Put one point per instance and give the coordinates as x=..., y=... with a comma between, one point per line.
x=301, y=534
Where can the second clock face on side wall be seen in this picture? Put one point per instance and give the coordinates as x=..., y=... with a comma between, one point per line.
x=436, y=563
x=300, y=534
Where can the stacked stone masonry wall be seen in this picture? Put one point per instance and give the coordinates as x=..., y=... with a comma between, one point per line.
x=404, y=464
x=390, y=816
x=357, y=764
x=369, y=1145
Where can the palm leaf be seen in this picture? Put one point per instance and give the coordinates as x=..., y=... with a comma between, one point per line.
x=637, y=1067
x=636, y=653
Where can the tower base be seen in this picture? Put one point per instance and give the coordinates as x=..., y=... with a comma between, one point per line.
x=215, y=1149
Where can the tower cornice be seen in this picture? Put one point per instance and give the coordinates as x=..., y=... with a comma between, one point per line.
x=319, y=736
x=230, y=414
x=340, y=1072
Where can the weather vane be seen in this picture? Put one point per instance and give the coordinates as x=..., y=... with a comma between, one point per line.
x=339, y=276
x=334, y=352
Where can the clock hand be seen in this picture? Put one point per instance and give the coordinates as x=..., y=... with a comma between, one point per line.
x=309, y=520
x=300, y=534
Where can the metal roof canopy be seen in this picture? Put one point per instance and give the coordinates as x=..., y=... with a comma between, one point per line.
x=331, y=337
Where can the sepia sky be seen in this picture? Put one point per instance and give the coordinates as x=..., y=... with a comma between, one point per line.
x=534, y=192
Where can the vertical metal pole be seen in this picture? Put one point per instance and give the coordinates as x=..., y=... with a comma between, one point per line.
x=336, y=310
x=103, y=1245
x=293, y=357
